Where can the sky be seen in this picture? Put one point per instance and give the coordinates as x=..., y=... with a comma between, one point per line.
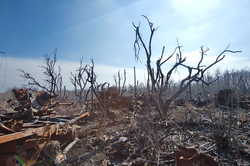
x=102, y=30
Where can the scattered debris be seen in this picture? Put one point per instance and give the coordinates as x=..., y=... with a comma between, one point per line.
x=32, y=126
x=134, y=137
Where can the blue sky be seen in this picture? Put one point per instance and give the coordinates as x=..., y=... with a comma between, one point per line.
x=102, y=30
x=31, y=28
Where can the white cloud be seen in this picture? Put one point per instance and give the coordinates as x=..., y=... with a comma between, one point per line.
x=196, y=8
x=194, y=33
x=231, y=61
x=10, y=76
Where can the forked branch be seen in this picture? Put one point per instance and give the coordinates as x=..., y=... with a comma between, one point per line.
x=159, y=80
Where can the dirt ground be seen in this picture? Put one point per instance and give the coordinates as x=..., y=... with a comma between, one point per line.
x=124, y=138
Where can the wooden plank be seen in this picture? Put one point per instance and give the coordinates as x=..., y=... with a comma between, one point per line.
x=15, y=136
x=45, y=131
x=84, y=115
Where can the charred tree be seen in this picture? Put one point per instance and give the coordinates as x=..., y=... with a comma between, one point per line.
x=53, y=77
x=159, y=79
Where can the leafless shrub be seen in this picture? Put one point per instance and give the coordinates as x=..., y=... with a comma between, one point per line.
x=84, y=82
x=53, y=77
x=79, y=80
x=87, y=89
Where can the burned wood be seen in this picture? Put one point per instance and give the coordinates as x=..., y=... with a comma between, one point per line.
x=84, y=115
x=5, y=128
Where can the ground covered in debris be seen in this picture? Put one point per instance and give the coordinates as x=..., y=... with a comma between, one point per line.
x=129, y=131
x=204, y=136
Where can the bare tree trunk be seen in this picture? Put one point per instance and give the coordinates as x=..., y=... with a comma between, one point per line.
x=92, y=85
x=190, y=92
x=158, y=82
x=135, y=81
x=119, y=81
x=124, y=82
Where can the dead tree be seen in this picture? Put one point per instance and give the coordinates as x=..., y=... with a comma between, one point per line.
x=159, y=80
x=92, y=80
x=79, y=80
x=120, y=81
x=85, y=85
x=60, y=88
x=135, y=83
x=94, y=86
x=53, y=77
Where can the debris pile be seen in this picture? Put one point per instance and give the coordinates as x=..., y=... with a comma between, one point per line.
x=149, y=140
x=30, y=126
x=191, y=135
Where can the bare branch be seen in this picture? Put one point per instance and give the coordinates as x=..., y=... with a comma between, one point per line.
x=158, y=80
x=53, y=77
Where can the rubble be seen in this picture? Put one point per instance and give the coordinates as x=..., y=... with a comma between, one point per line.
x=32, y=126
x=205, y=136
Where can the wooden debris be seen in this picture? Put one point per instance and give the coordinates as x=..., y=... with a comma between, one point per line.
x=34, y=132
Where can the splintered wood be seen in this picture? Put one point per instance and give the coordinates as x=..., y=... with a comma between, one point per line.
x=45, y=131
x=30, y=126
